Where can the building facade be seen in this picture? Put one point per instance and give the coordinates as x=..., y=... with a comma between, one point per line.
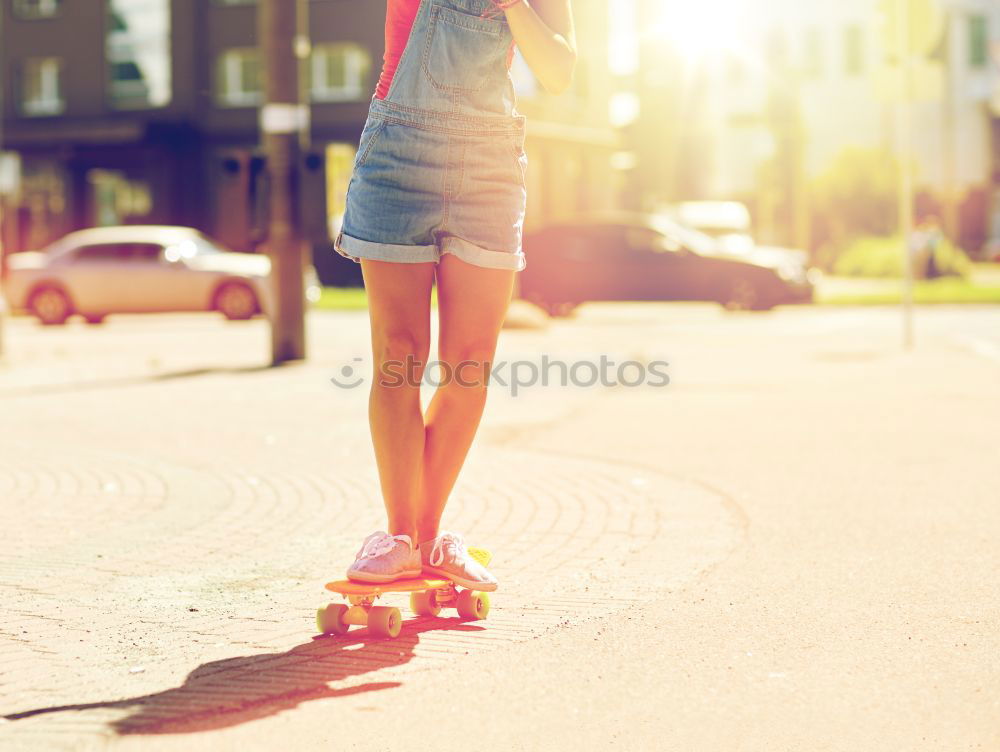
x=833, y=62
x=146, y=110
x=777, y=90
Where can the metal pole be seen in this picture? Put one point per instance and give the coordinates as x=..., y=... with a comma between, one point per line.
x=950, y=132
x=904, y=126
x=3, y=227
x=281, y=121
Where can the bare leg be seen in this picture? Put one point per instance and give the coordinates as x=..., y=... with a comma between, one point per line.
x=399, y=307
x=472, y=302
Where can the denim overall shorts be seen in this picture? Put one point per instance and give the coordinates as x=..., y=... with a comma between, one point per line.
x=440, y=167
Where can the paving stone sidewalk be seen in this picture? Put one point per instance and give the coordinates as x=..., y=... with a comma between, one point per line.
x=173, y=510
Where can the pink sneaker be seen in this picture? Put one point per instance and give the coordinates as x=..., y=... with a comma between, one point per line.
x=445, y=556
x=384, y=558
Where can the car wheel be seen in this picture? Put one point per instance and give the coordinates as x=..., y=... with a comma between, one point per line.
x=94, y=319
x=556, y=310
x=741, y=296
x=236, y=301
x=50, y=305
x=561, y=310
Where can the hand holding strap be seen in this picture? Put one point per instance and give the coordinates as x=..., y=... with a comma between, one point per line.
x=499, y=6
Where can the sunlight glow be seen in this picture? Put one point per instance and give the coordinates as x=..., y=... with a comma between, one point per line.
x=623, y=108
x=623, y=52
x=700, y=30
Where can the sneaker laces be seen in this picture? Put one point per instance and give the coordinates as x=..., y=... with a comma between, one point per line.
x=377, y=544
x=437, y=553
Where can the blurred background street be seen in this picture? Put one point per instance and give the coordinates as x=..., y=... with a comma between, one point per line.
x=791, y=545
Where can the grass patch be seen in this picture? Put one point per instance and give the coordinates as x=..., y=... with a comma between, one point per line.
x=949, y=290
x=350, y=299
x=342, y=299
x=875, y=256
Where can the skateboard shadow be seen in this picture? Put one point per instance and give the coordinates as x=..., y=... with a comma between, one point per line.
x=236, y=690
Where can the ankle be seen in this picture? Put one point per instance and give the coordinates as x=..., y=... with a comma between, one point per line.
x=426, y=534
x=406, y=530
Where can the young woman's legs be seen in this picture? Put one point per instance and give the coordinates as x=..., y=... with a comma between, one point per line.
x=399, y=296
x=472, y=302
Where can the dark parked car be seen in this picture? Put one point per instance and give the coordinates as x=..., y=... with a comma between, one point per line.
x=649, y=257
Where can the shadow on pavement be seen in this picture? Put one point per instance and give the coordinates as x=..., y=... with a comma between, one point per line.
x=115, y=382
x=232, y=691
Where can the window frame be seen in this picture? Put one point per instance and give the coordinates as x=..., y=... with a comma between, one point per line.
x=855, y=51
x=357, y=72
x=228, y=68
x=21, y=12
x=148, y=91
x=47, y=107
x=814, y=53
x=978, y=41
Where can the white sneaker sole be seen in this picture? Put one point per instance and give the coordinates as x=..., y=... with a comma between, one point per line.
x=382, y=578
x=483, y=587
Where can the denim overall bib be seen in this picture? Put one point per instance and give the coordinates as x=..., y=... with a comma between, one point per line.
x=440, y=167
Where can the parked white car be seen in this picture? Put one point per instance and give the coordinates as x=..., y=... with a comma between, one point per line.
x=727, y=221
x=140, y=269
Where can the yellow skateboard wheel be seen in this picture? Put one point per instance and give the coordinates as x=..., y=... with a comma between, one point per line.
x=330, y=619
x=385, y=621
x=424, y=603
x=473, y=605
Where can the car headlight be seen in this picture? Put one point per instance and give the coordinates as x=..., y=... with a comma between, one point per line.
x=314, y=290
x=791, y=272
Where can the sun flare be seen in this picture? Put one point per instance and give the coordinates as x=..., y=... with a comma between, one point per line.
x=700, y=30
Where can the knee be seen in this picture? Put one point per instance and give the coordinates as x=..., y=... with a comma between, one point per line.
x=400, y=353
x=400, y=345
x=471, y=361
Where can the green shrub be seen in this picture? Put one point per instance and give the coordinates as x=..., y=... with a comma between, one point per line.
x=882, y=256
x=856, y=195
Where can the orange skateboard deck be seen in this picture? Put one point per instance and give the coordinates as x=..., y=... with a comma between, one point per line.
x=427, y=597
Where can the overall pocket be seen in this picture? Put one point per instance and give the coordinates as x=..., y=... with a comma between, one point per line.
x=462, y=51
x=516, y=143
x=369, y=137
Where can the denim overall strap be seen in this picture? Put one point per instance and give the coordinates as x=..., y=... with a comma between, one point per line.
x=453, y=73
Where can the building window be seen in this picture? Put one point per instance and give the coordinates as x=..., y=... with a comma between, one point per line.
x=812, y=64
x=979, y=53
x=339, y=72
x=854, y=50
x=138, y=53
x=42, y=88
x=116, y=199
x=238, y=81
x=28, y=9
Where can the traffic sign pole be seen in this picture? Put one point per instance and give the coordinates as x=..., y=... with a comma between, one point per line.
x=904, y=134
x=283, y=118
